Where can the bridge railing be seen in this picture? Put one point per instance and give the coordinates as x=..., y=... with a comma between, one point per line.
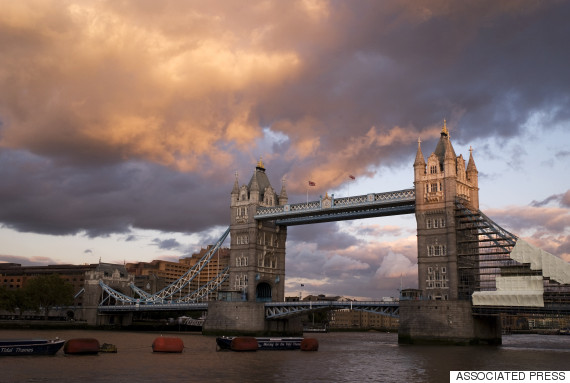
x=274, y=310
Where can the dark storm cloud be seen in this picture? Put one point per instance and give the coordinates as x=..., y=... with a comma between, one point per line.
x=166, y=244
x=51, y=199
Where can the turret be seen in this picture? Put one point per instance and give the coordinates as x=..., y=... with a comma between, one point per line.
x=235, y=191
x=283, y=199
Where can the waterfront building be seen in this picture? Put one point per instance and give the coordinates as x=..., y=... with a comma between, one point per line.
x=13, y=276
x=361, y=320
x=155, y=275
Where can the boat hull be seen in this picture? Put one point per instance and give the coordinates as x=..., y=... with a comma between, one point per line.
x=16, y=347
x=263, y=343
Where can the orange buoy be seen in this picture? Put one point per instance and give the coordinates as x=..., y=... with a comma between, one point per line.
x=244, y=343
x=81, y=346
x=309, y=344
x=166, y=344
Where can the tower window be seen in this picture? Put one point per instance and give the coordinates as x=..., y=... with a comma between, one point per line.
x=433, y=169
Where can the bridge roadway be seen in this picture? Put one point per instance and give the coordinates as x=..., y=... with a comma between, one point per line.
x=329, y=208
x=273, y=310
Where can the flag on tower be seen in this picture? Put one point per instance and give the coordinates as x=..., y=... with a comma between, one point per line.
x=351, y=177
x=311, y=183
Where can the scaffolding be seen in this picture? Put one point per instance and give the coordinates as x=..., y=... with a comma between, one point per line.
x=484, y=260
x=483, y=250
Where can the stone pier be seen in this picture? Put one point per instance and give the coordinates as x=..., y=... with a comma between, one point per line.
x=446, y=322
x=246, y=318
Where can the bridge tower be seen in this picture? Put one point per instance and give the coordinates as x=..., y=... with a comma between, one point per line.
x=257, y=265
x=257, y=255
x=444, y=312
x=439, y=184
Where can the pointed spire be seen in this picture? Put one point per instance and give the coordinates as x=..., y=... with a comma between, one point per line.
x=235, y=189
x=283, y=195
x=419, y=155
x=254, y=184
x=449, y=152
x=471, y=168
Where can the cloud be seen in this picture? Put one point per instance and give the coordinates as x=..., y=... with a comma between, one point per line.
x=544, y=225
x=166, y=244
x=395, y=265
x=128, y=115
x=562, y=200
x=521, y=218
x=27, y=261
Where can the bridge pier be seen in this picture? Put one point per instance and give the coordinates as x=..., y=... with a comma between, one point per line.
x=446, y=322
x=246, y=318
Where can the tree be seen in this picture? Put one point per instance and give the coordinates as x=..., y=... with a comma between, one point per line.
x=11, y=300
x=7, y=300
x=46, y=291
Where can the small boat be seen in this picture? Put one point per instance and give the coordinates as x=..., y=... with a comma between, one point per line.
x=81, y=346
x=167, y=344
x=107, y=347
x=30, y=346
x=263, y=343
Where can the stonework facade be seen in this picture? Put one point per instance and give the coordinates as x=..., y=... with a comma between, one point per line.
x=257, y=256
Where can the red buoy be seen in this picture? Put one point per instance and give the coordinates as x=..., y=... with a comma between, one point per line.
x=166, y=344
x=309, y=344
x=244, y=343
x=81, y=346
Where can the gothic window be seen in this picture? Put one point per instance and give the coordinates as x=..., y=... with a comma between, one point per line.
x=435, y=223
x=442, y=222
x=433, y=187
x=430, y=251
x=433, y=169
x=440, y=187
x=242, y=212
x=243, y=194
x=428, y=223
x=436, y=277
x=241, y=281
x=241, y=260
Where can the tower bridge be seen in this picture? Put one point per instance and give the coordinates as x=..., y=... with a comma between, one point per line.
x=469, y=268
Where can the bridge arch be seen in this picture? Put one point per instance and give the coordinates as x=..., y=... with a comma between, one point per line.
x=263, y=292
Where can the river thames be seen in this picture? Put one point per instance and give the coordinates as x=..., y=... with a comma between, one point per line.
x=342, y=357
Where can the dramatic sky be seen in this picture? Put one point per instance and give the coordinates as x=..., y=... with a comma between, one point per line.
x=122, y=124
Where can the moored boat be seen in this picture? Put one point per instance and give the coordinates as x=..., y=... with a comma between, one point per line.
x=11, y=347
x=107, y=347
x=263, y=343
x=81, y=346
